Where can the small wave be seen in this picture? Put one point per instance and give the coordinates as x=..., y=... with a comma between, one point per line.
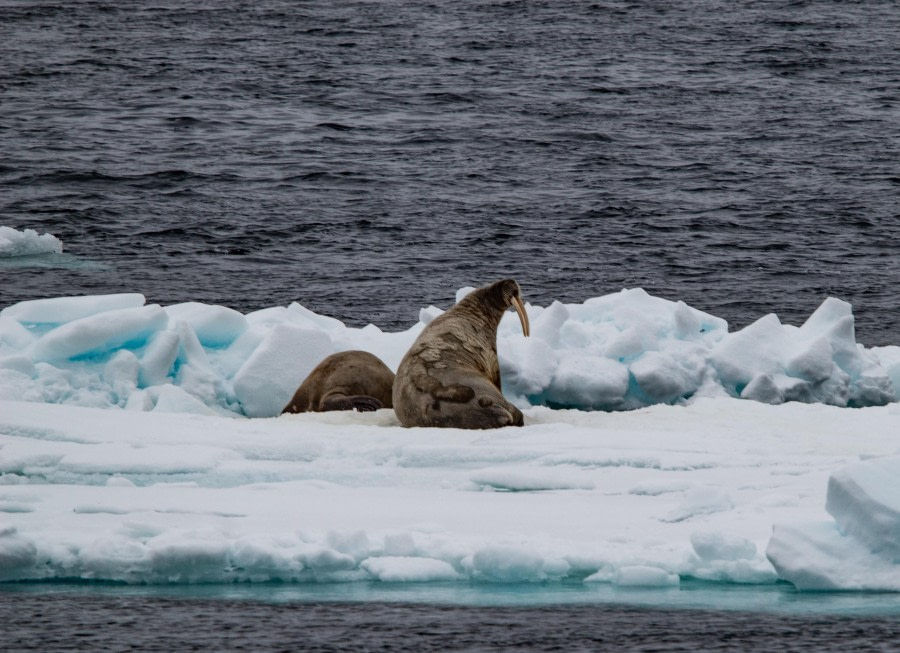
x=27, y=243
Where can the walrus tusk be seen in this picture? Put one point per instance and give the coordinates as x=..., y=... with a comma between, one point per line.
x=523, y=316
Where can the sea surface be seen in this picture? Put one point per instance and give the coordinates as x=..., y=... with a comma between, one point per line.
x=367, y=158
x=60, y=617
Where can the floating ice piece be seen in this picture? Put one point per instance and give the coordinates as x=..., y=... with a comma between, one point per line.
x=27, y=243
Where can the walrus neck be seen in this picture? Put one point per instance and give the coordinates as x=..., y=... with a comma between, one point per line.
x=481, y=311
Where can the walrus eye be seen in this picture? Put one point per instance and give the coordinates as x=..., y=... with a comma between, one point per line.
x=523, y=316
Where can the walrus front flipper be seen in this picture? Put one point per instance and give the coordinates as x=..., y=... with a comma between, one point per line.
x=362, y=403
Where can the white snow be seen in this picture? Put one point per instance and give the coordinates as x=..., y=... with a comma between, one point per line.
x=126, y=452
x=27, y=243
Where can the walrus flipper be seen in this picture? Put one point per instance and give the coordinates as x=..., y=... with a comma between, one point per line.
x=361, y=403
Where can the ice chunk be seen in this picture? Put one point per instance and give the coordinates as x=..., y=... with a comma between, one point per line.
x=19, y=363
x=864, y=499
x=13, y=336
x=158, y=358
x=755, y=349
x=588, y=382
x=215, y=326
x=321, y=321
x=271, y=375
x=664, y=378
x=527, y=365
x=889, y=360
x=59, y=310
x=817, y=556
x=831, y=313
x=547, y=325
x=631, y=343
x=121, y=374
x=812, y=362
x=127, y=327
x=776, y=389
x=860, y=550
x=426, y=315
x=27, y=243
x=462, y=292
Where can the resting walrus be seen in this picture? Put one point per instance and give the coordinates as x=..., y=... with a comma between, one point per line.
x=344, y=381
x=450, y=376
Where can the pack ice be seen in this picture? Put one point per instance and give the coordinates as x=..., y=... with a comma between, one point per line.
x=174, y=485
x=620, y=351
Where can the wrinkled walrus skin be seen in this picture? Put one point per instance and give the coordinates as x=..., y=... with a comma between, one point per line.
x=347, y=380
x=450, y=377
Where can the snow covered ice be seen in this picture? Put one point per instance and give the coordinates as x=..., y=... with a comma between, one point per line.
x=714, y=439
x=27, y=243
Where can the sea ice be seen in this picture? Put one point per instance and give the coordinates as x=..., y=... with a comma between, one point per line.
x=860, y=549
x=621, y=351
x=174, y=489
x=180, y=497
x=27, y=243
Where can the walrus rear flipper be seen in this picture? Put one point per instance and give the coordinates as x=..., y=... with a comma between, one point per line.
x=362, y=403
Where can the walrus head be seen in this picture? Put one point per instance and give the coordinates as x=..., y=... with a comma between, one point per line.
x=507, y=294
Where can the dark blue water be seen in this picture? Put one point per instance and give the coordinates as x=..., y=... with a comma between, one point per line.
x=273, y=618
x=368, y=158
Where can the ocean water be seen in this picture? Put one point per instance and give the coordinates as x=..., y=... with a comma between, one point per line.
x=367, y=158
x=273, y=618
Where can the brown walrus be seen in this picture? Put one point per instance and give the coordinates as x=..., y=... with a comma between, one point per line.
x=450, y=376
x=346, y=380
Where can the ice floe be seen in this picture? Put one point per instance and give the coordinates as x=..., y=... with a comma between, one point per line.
x=172, y=483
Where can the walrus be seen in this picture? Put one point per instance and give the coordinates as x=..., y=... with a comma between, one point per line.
x=450, y=376
x=346, y=380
